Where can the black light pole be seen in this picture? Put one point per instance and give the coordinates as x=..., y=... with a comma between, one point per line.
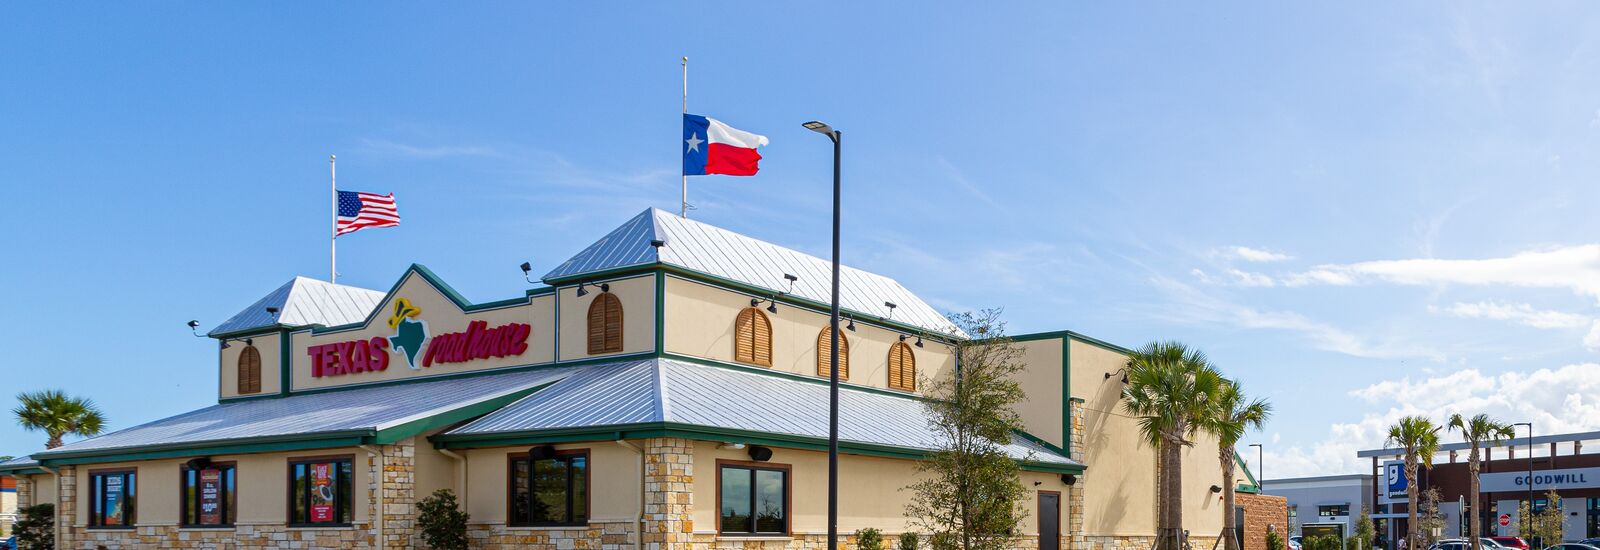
x=1529, y=481
x=833, y=351
x=1261, y=465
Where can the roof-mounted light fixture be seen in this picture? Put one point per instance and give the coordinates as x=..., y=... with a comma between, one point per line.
x=194, y=326
x=273, y=311
x=657, y=243
x=791, y=279
x=891, y=306
x=527, y=272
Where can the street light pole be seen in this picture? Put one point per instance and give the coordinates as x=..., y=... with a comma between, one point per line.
x=833, y=351
x=1261, y=465
x=1528, y=521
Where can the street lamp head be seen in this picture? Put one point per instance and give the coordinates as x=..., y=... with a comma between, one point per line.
x=819, y=127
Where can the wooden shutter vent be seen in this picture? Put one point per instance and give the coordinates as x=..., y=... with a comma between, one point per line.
x=902, y=367
x=249, y=370
x=605, y=324
x=752, y=338
x=824, y=345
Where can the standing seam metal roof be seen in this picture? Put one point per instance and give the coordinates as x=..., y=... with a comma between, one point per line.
x=722, y=253
x=305, y=301
x=666, y=390
x=372, y=408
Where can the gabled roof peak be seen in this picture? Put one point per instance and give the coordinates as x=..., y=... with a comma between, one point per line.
x=304, y=301
x=707, y=249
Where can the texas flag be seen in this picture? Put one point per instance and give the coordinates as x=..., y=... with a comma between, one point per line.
x=711, y=147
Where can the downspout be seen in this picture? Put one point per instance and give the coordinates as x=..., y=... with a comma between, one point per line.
x=377, y=497
x=56, y=477
x=638, y=517
x=461, y=472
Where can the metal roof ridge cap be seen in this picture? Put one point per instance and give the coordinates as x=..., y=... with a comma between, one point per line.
x=467, y=403
x=660, y=381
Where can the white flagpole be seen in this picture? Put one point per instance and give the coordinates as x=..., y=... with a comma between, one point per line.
x=333, y=231
x=684, y=212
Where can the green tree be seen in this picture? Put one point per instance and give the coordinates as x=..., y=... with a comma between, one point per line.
x=1170, y=391
x=971, y=497
x=36, y=528
x=55, y=414
x=1431, y=521
x=1546, y=527
x=1364, y=533
x=1274, y=542
x=1232, y=414
x=1419, y=438
x=1476, y=431
x=443, y=524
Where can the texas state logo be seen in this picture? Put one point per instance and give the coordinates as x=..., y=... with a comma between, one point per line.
x=410, y=333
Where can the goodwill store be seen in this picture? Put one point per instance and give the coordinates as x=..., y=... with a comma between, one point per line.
x=663, y=388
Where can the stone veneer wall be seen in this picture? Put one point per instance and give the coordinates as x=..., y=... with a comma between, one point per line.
x=1263, y=512
x=597, y=536
x=24, y=492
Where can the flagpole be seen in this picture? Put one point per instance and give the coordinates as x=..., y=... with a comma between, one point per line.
x=333, y=231
x=684, y=211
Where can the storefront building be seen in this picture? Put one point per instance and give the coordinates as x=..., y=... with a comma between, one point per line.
x=1323, y=504
x=1557, y=463
x=665, y=389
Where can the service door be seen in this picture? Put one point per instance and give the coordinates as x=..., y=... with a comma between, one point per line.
x=1049, y=520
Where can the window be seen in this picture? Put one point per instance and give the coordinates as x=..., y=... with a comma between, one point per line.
x=1332, y=510
x=249, y=370
x=208, y=497
x=320, y=491
x=752, y=338
x=550, y=491
x=753, y=497
x=902, y=367
x=605, y=324
x=114, y=499
x=824, y=349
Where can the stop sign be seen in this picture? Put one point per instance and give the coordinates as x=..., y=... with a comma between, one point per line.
x=1505, y=519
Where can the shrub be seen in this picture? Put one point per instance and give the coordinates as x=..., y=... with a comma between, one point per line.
x=1274, y=542
x=908, y=541
x=869, y=539
x=444, y=525
x=36, y=528
x=1322, y=542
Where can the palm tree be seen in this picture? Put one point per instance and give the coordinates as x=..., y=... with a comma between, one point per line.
x=1170, y=389
x=1420, y=439
x=1231, y=416
x=1478, y=430
x=52, y=412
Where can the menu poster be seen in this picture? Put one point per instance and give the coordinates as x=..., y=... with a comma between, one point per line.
x=322, y=493
x=211, y=497
x=113, y=500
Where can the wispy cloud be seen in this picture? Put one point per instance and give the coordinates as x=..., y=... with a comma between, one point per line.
x=1523, y=314
x=386, y=147
x=1576, y=268
x=1254, y=254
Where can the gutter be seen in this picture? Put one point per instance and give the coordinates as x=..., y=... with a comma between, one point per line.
x=377, y=496
x=638, y=517
x=461, y=471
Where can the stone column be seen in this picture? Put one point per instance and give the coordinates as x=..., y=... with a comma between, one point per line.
x=24, y=492
x=668, y=497
x=399, y=495
x=1075, y=536
x=66, y=506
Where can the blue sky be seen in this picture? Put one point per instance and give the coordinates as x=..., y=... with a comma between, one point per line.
x=1362, y=210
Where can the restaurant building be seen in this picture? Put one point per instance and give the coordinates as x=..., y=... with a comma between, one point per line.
x=1555, y=462
x=664, y=388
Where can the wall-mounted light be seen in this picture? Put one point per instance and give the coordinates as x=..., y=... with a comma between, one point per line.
x=919, y=340
x=852, y=326
x=772, y=304
x=527, y=271
x=1216, y=489
x=1123, y=371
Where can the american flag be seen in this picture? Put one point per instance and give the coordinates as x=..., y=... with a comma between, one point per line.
x=359, y=211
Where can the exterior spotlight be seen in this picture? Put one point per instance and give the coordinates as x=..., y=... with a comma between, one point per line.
x=225, y=344
x=891, y=307
x=657, y=243
x=194, y=326
x=919, y=340
x=1216, y=489
x=1124, y=372
x=273, y=311
x=852, y=326
x=581, y=291
x=527, y=271
x=772, y=307
x=605, y=287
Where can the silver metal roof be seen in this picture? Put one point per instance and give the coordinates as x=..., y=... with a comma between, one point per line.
x=1513, y=442
x=666, y=390
x=373, y=408
x=305, y=301
x=18, y=463
x=721, y=253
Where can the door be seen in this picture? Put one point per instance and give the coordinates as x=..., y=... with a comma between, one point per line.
x=1049, y=520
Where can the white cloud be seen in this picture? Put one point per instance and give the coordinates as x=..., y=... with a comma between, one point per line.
x=1245, y=278
x=1576, y=268
x=1255, y=254
x=1592, y=340
x=1562, y=400
x=1519, y=313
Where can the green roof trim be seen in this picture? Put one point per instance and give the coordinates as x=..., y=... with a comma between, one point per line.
x=1254, y=486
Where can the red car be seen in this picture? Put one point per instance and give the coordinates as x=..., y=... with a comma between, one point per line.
x=1511, y=542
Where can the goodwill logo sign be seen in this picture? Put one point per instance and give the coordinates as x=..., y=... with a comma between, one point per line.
x=1394, y=479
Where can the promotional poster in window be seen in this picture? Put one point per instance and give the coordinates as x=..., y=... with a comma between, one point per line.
x=321, y=493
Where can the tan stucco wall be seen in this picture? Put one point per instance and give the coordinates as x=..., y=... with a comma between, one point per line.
x=271, y=350
x=870, y=492
x=700, y=323
x=638, y=297
x=613, y=482
x=262, y=484
x=1044, y=407
x=44, y=488
x=442, y=316
x=1120, y=481
x=434, y=471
